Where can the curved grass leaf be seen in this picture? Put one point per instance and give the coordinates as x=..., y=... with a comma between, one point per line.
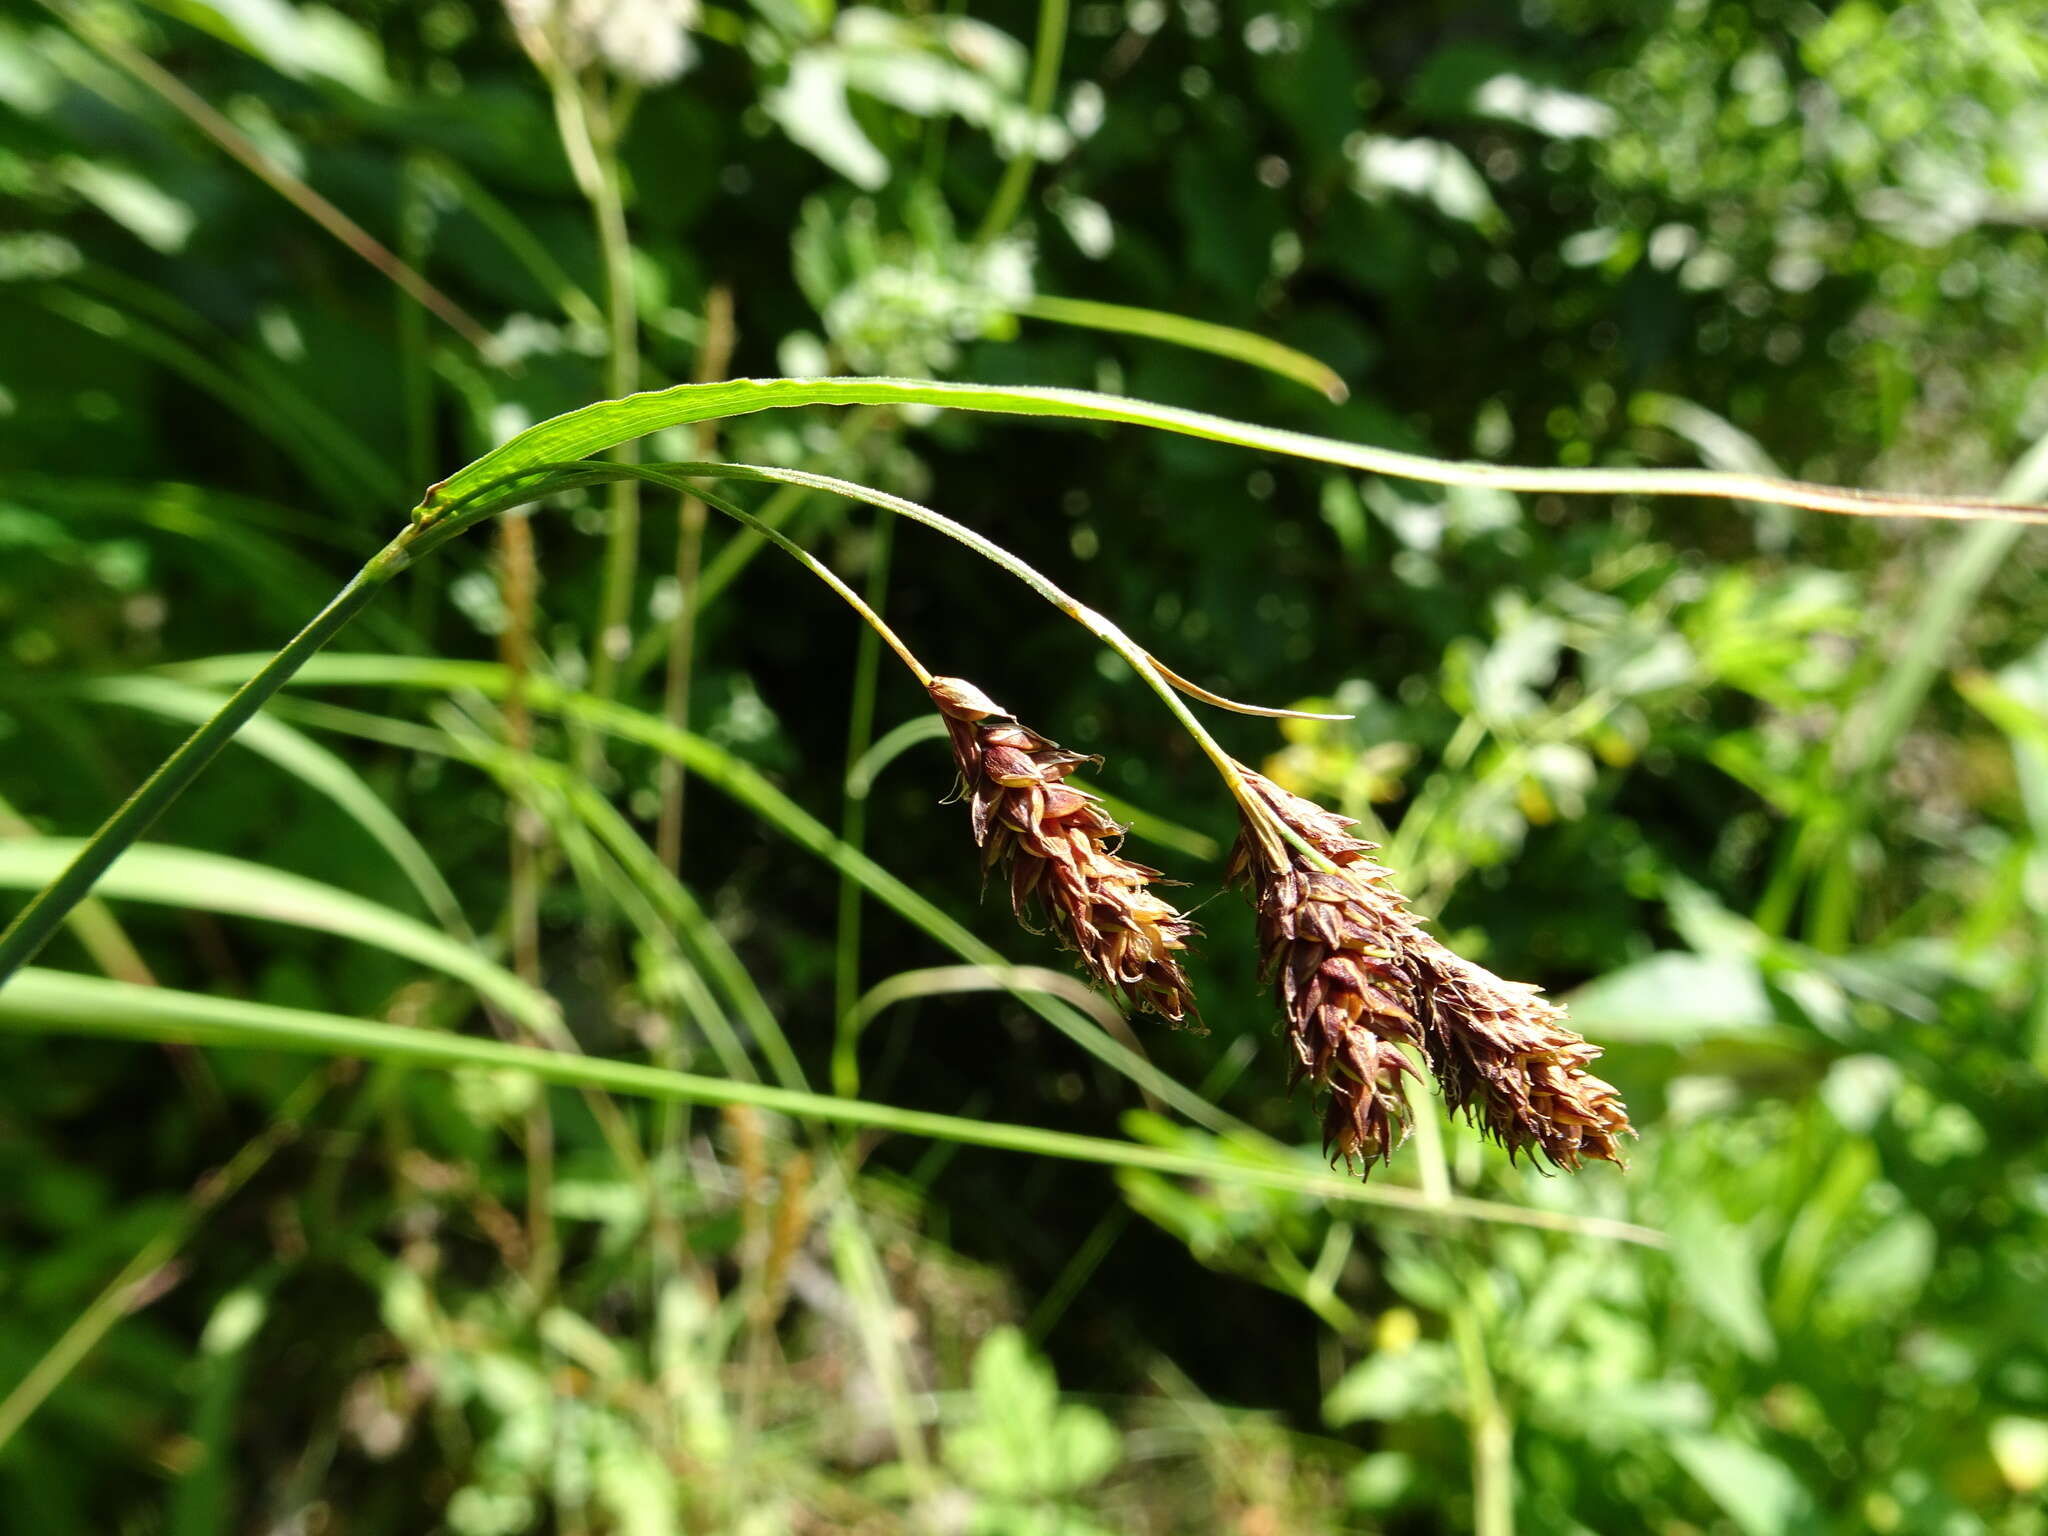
x=41, y=1000
x=184, y=877
x=580, y=433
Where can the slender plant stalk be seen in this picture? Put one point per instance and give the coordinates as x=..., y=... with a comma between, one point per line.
x=92, y=921
x=736, y=553
x=860, y=605
x=714, y=357
x=204, y=116
x=733, y=556
x=1096, y=624
x=1045, y=79
x=1488, y=1427
x=518, y=576
x=543, y=1246
x=416, y=220
x=590, y=124
x=853, y=825
x=1492, y=1432
x=35, y=923
x=527, y=248
x=613, y=641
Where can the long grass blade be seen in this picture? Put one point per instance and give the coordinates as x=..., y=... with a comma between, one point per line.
x=209, y=120
x=1870, y=735
x=580, y=433
x=55, y=1001
x=211, y=882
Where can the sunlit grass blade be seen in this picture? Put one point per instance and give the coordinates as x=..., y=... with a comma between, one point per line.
x=55, y=1001
x=35, y=923
x=210, y=882
x=587, y=828
x=92, y=923
x=1196, y=335
x=528, y=248
x=580, y=433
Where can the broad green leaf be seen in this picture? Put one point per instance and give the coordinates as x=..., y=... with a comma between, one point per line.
x=1886, y=1271
x=1716, y=1264
x=209, y=882
x=295, y=40
x=1023, y=1443
x=1675, y=998
x=1396, y=1384
x=1755, y=1490
x=141, y=207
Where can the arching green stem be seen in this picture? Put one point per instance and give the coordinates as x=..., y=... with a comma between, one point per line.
x=35, y=923
x=537, y=480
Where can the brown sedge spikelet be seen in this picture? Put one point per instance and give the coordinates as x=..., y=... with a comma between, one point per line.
x=1358, y=977
x=1505, y=1056
x=1057, y=846
x=1334, y=945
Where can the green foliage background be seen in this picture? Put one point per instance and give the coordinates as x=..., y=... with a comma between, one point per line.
x=1766, y=794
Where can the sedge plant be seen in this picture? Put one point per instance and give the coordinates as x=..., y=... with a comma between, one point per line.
x=1361, y=984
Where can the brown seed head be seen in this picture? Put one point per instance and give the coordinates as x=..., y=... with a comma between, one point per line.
x=1057, y=846
x=1335, y=947
x=1507, y=1059
x=1358, y=976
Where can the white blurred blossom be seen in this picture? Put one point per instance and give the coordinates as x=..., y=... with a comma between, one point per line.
x=644, y=40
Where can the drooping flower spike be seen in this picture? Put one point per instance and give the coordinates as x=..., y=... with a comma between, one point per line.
x=1056, y=846
x=1358, y=979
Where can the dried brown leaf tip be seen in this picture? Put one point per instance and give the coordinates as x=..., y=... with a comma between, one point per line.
x=1057, y=846
x=1358, y=977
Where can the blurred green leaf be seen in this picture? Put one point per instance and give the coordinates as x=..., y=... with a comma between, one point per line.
x=1755, y=1490
x=1676, y=999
